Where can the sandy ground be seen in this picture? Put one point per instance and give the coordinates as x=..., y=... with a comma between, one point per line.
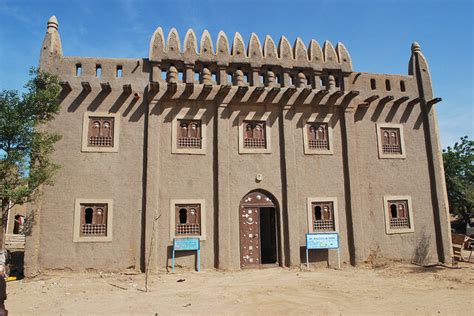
x=393, y=289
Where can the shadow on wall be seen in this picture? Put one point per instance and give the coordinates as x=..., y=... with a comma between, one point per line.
x=420, y=254
x=394, y=107
x=115, y=107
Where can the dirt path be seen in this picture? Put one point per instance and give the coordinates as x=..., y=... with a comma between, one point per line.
x=397, y=289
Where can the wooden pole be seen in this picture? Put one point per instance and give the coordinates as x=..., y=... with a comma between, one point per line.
x=147, y=270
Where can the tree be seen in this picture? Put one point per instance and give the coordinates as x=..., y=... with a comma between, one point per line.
x=459, y=171
x=25, y=145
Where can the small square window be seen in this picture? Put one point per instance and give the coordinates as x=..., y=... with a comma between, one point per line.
x=100, y=132
x=322, y=215
x=187, y=219
x=189, y=134
x=254, y=135
x=398, y=214
x=390, y=141
x=93, y=220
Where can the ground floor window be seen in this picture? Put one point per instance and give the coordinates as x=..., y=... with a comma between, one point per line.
x=187, y=218
x=398, y=214
x=322, y=215
x=93, y=220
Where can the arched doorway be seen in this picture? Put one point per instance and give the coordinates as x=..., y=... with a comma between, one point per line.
x=258, y=222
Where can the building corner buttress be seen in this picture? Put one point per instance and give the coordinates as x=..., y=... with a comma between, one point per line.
x=418, y=67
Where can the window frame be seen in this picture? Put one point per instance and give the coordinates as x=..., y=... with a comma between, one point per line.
x=77, y=220
x=309, y=213
x=85, y=132
x=174, y=135
x=252, y=116
x=172, y=215
x=383, y=155
x=388, y=229
x=315, y=151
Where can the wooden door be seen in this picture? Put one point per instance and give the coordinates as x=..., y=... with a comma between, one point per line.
x=249, y=236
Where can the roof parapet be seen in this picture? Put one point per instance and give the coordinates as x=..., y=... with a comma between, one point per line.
x=255, y=54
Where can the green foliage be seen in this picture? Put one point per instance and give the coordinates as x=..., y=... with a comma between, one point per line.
x=25, y=145
x=459, y=171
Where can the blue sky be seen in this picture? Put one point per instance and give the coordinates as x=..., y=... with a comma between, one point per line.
x=378, y=35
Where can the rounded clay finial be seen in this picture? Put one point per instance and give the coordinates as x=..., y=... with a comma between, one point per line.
x=415, y=47
x=53, y=22
x=206, y=76
x=239, y=77
x=301, y=80
x=172, y=75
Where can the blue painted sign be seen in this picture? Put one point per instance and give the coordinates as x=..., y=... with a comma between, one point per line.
x=186, y=244
x=181, y=244
x=322, y=241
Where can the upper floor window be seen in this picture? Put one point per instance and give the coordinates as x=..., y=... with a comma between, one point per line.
x=100, y=132
x=390, y=140
x=254, y=134
x=189, y=134
x=318, y=135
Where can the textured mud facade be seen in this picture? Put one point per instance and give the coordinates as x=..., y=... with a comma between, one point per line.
x=284, y=85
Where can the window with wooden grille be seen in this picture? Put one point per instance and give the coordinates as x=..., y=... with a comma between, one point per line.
x=100, y=132
x=189, y=134
x=317, y=136
x=391, y=141
x=323, y=216
x=254, y=134
x=93, y=220
x=398, y=214
x=188, y=220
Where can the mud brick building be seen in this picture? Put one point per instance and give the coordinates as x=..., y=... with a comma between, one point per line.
x=246, y=146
